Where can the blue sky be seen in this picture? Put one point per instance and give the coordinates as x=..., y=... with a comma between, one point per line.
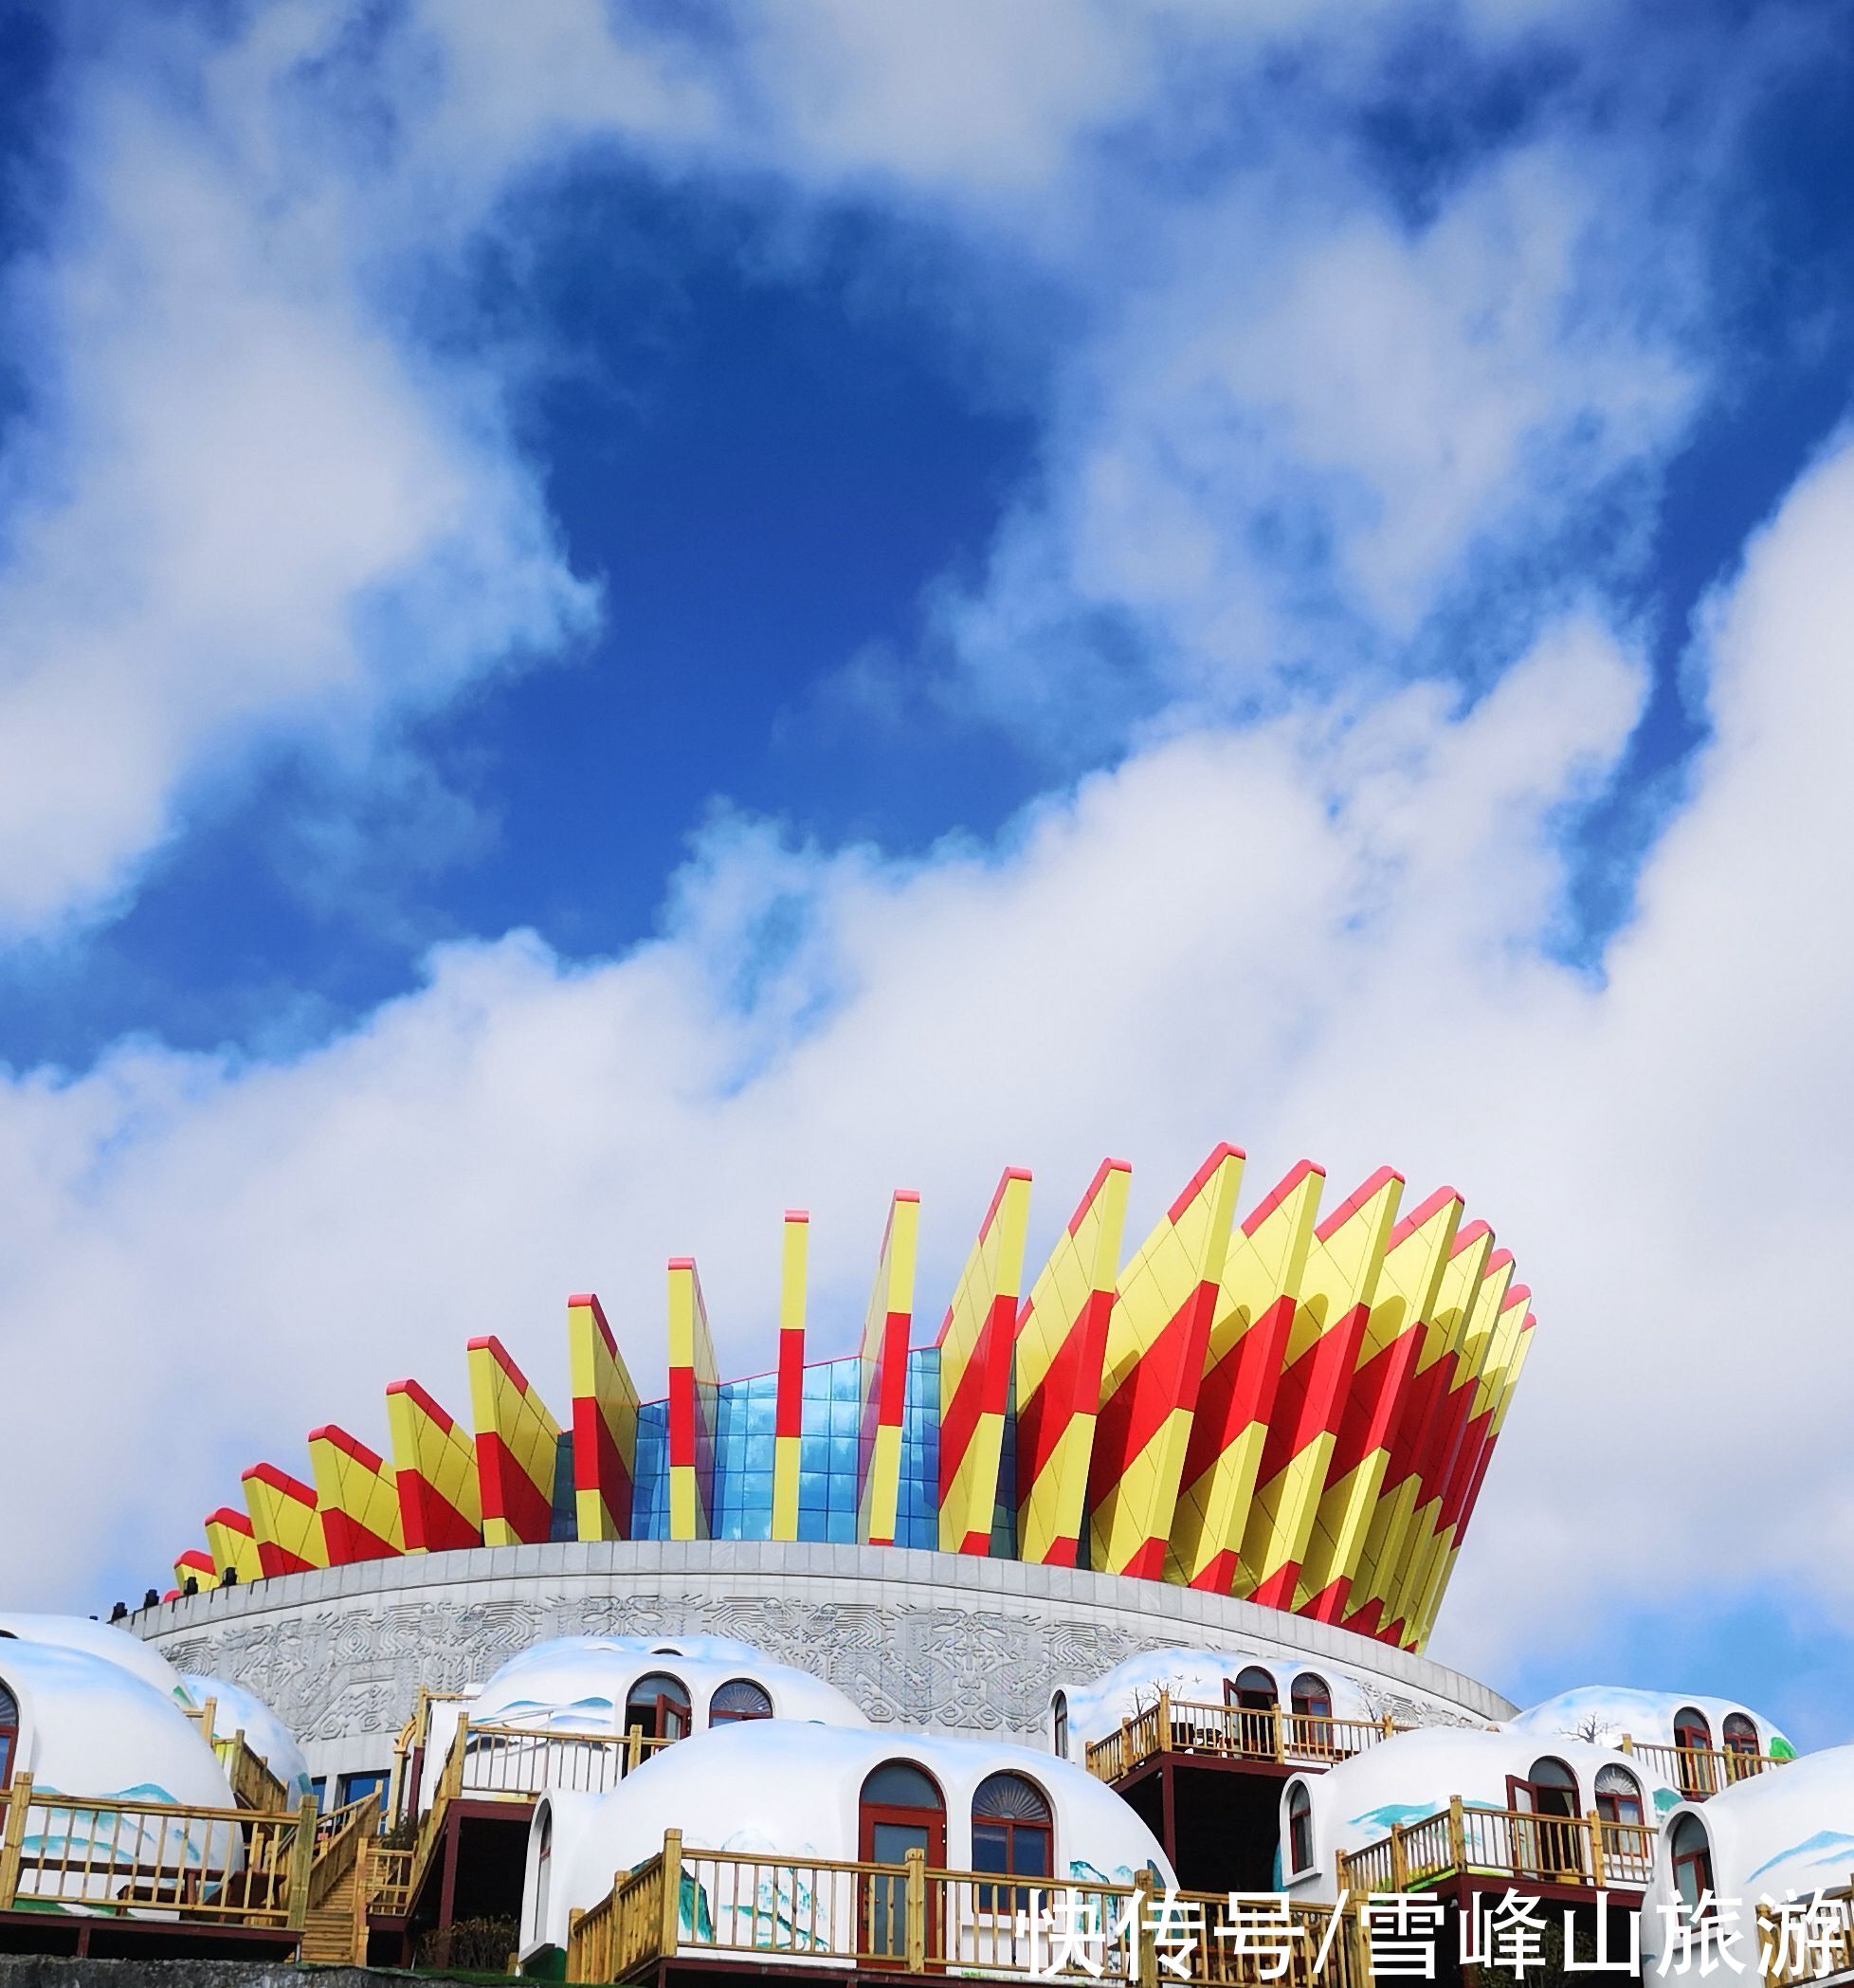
x=610, y=619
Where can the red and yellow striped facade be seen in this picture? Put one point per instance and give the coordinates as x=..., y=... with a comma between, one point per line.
x=887, y=1325
x=604, y=1423
x=975, y=1348
x=693, y=1380
x=1296, y=1408
x=517, y=1448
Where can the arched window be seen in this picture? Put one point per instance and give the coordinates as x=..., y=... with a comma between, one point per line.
x=1693, y=1735
x=1691, y=1855
x=9, y=1734
x=1550, y=1846
x=737, y=1699
x=658, y=1708
x=1253, y=1689
x=1618, y=1794
x=1011, y=1832
x=899, y=1810
x=1311, y=1699
x=1300, y=1828
x=1254, y=1713
x=1740, y=1742
x=1059, y=1724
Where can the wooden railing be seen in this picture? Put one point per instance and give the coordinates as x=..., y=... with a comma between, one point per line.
x=1792, y=1951
x=1232, y=1732
x=253, y=1785
x=389, y=1881
x=714, y=1903
x=234, y=1866
x=1526, y=1848
x=340, y=1835
x=1699, y=1771
x=505, y=1763
x=516, y=1760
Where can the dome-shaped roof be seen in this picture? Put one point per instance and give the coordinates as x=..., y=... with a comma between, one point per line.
x=1604, y=1713
x=91, y=1727
x=579, y=1684
x=795, y=1791
x=235, y=1709
x=115, y=1645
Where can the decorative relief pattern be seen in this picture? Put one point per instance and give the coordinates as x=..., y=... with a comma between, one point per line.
x=351, y=1667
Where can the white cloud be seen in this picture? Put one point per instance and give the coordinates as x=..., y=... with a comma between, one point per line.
x=1318, y=936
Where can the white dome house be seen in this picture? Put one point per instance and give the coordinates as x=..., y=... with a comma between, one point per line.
x=1416, y=1775
x=790, y=1796
x=571, y=1689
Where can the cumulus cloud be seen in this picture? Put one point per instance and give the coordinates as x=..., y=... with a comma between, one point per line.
x=1325, y=935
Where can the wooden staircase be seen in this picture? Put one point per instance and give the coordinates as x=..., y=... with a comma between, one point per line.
x=335, y=1929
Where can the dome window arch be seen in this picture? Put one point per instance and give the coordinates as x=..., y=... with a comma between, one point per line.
x=1547, y=1842
x=1310, y=1698
x=900, y=1808
x=1254, y=1713
x=1013, y=1831
x=8, y=1733
x=1618, y=1795
x=739, y=1699
x=1299, y=1829
x=1059, y=1724
x=1740, y=1744
x=657, y=1706
x=1690, y=1856
x=1693, y=1735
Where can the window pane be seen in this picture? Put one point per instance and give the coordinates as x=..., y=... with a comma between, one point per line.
x=991, y=1847
x=896, y=1784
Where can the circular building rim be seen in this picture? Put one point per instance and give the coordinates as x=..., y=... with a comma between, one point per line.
x=756, y=1570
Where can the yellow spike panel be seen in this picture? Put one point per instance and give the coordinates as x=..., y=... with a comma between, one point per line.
x=285, y=1521
x=1512, y=1343
x=358, y=1496
x=788, y=1395
x=885, y=1329
x=1376, y=1398
x=1261, y=1273
x=1435, y=1427
x=694, y=1388
x=196, y=1566
x=1467, y=1410
x=517, y=1448
x=435, y=1468
x=1164, y=1305
x=604, y=1423
x=232, y=1544
x=1062, y=1344
x=1337, y=1288
x=975, y=1354
x=1387, y=1534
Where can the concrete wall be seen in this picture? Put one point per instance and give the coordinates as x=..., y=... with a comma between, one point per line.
x=923, y=1639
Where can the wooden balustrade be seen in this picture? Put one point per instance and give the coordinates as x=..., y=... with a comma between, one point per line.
x=1700, y=1772
x=231, y=1867
x=339, y=1836
x=1791, y=1950
x=516, y=1759
x=1232, y=1732
x=1462, y=1840
x=714, y=1903
x=388, y=1882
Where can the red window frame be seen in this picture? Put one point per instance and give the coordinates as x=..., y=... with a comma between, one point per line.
x=1299, y=1829
x=870, y=1814
x=664, y=1709
x=9, y=1735
x=726, y=1715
